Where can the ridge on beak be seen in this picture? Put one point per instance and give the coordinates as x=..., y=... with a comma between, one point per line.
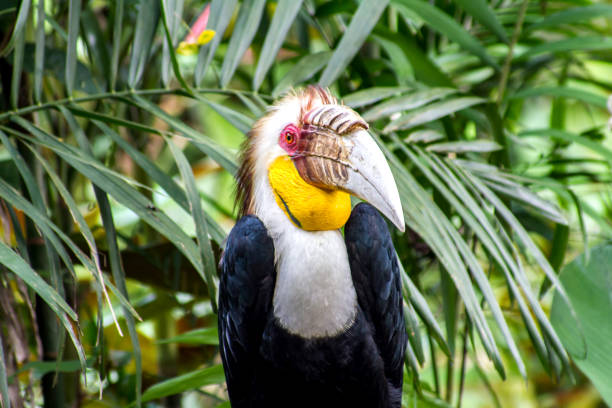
x=335, y=151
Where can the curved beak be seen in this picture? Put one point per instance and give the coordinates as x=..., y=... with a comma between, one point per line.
x=335, y=151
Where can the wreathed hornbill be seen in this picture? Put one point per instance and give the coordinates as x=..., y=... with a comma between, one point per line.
x=307, y=317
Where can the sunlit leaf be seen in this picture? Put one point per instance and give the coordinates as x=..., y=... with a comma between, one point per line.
x=371, y=95
x=185, y=382
x=443, y=23
x=205, y=336
x=589, y=288
x=362, y=22
x=573, y=15
x=597, y=148
x=220, y=15
x=146, y=23
x=476, y=146
x=412, y=100
x=244, y=30
x=303, y=70
x=432, y=112
x=481, y=11
x=208, y=258
x=564, y=92
x=582, y=43
x=285, y=13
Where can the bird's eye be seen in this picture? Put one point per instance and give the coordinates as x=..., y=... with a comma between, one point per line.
x=289, y=137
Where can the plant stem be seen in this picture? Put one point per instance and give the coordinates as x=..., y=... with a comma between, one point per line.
x=505, y=74
x=117, y=95
x=463, y=358
x=434, y=365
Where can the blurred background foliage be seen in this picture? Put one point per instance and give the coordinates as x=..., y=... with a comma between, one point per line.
x=120, y=123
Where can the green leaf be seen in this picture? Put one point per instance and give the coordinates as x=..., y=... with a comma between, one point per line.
x=20, y=24
x=530, y=248
x=221, y=12
x=39, y=59
x=581, y=43
x=458, y=197
x=244, y=31
x=168, y=49
x=445, y=24
x=6, y=401
x=573, y=15
x=425, y=70
x=195, y=379
x=116, y=265
x=117, y=25
x=507, y=185
x=119, y=277
x=399, y=60
x=411, y=359
x=414, y=334
x=496, y=245
x=164, y=180
x=563, y=92
x=17, y=70
x=417, y=300
x=16, y=264
x=424, y=217
x=588, y=281
x=572, y=138
x=120, y=190
x=40, y=368
x=74, y=16
x=303, y=70
x=204, y=336
x=352, y=40
x=146, y=25
x=206, y=253
x=94, y=266
x=240, y=121
x=92, y=36
x=211, y=148
x=432, y=112
x=50, y=239
x=369, y=96
x=480, y=10
x=406, y=102
x=475, y=146
x=424, y=136
x=285, y=13
x=35, y=281
x=117, y=270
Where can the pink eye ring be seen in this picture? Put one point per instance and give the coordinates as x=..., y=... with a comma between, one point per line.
x=289, y=137
x=290, y=134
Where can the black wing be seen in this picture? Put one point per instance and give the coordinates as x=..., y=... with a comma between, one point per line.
x=377, y=280
x=245, y=299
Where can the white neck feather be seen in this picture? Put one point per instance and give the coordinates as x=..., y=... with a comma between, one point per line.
x=314, y=294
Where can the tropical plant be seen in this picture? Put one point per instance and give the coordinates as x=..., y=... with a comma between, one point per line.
x=119, y=126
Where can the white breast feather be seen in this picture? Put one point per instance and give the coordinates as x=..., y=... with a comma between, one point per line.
x=314, y=294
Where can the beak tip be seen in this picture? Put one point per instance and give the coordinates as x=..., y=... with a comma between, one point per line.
x=398, y=221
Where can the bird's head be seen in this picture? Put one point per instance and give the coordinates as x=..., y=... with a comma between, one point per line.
x=310, y=153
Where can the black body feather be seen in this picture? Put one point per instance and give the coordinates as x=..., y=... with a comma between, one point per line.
x=265, y=366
